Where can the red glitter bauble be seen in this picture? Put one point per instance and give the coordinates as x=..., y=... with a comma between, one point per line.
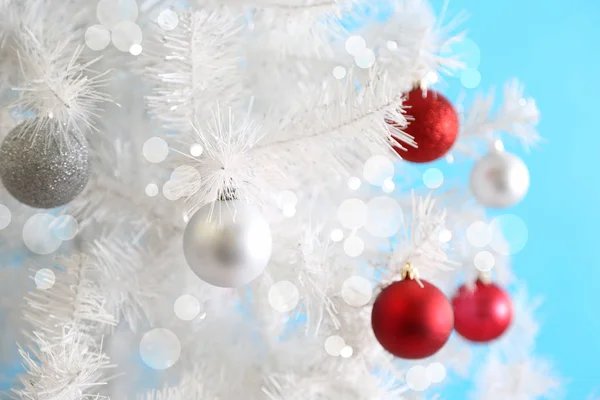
x=434, y=126
x=482, y=313
x=410, y=321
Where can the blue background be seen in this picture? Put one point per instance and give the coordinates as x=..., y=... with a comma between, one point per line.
x=553, y=47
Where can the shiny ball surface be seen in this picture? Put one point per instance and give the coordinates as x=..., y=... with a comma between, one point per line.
x=434, y=126
x=499, y=180
x=227, y=243
x=45, y=169
x=410, y=321
x=482, y=313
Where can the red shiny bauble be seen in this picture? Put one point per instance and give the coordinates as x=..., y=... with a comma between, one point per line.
x=411, y=321
x=482, y=313
x=434, y=127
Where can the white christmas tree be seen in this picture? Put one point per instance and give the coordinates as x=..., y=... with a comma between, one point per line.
x=286, y=123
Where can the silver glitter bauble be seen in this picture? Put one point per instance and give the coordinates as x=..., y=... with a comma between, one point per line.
x=499, y=180
x=227, y=243
x=45, y=171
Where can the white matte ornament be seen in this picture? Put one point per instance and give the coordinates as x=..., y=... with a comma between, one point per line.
x=499, y=180
x=227, y=243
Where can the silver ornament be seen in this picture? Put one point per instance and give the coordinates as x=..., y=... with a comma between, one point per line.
x=499, y=180
x=44, y=169
x=227, y=243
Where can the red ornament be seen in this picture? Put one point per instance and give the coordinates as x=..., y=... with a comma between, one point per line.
x=482, y=313
x=410, y=321
x=434, y=127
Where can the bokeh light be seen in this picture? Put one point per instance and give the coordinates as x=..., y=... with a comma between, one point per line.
x=168, y=20
x=284, y=296
x=384, y=217
x=155, y=150
x=196, y=150
x=355, y=45
x=111, y=12
x=5, y=217
x=433, y=178
x=151, y=189
x=378, y=169
x=125, y=35
x=334, y=345
x=509, y=234
x=354, y=246
x=97, y=37
x=44, y=279
x=352, y=213
x=186, y=307
x=479, y=234
x=336, y=235
x=346, y=352
x=417, y=379
x=160, y=349
x=65, y=227
x=38, y=234
x=484, y=261
x=339, y=72
x=470, y=78
x=357, y=291
x=354, y=183
x=436, y=372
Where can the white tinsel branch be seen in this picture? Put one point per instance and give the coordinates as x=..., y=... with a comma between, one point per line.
x=517, y=116
x=58, y=84
x=419, y=241
x=73, y=297
x=68, y=366
x=196, y=62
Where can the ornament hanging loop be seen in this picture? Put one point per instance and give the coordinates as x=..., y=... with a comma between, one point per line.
x=484, y=277
x=409, y=272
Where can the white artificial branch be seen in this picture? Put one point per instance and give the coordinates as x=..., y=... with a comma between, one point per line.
x=57, y=85
x=193, y=65
x=69, y=366
x=517, y=116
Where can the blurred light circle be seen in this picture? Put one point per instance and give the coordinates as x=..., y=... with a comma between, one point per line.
x=365, y=59
x=284, y=296
x=355, y=45
x=378, y=169
x=126, y=34
x=509, y=234
x=392, y=45
x=352, y=213
x=336, y=235
x=136, y=49
x=484, y=261
x=346, y=352
x=160, y=349
x=38, y=234
x=186, y=307
x=168, y=20
x=384, y=217
x=288, y=199
x=155, y=150
x=97, y=37
x=417, y=379
x=469, y=52
x=388, y=186
x=334, y=345
x=433, y=178
x=479, y=234
x=111, y=12
x=445, y=235
x=5, y=217
x=354, y=246
x=289, y=211
x=354, y=183
x=44, y=279
x=196, y=150
x=357, y=291
x=65, y=227
x=151, y=189
x=187, y=179
x=339, y=72
x=436, y=372
x=470, y=78
x=170, y=191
